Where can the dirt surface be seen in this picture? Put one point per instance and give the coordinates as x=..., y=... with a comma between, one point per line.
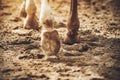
x=96, y=57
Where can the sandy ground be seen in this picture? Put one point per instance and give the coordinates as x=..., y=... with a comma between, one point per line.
x=96, y=57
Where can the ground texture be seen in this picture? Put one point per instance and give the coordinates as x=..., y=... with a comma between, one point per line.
x=96, y=57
